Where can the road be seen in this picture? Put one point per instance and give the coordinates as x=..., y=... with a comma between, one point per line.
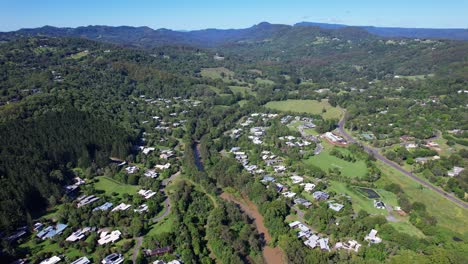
x=390, y=163
x=139, y=241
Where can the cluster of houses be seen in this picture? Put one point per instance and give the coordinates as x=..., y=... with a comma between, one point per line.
x=312, y=240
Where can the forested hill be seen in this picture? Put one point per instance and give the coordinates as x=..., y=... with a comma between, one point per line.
x=424, y=33
x=70, y=103
x=147, y=38
x=37, y=156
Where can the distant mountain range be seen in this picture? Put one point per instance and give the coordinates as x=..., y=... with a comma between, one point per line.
x=146, y=37
x=423, y=33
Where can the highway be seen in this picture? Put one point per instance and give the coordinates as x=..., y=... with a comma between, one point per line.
x=380, y=157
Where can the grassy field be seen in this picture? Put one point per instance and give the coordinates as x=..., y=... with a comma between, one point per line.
x=264, y=81
x=307, y=106
x=242, y=90
x=447, y=213
x=78, y=55
x=215, y=73
x=109, y=186
x=325, y=161
x=407, y=228
x=360, y=202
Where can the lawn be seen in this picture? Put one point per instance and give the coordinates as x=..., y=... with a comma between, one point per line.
x=307, y=106
x=109, y=186
x=407, y=228
x=325, y=161
x=215, y=73
x=79, y=55
x=242, y=90
x=447, y=213
x=264, y=81
x=166, y=225
x=360, y=202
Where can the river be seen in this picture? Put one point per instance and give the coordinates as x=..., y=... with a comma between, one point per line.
x=196, y=156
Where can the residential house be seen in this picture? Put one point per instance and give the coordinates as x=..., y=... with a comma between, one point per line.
x=146, y=193
x=113, y=258
x=319, y=195
x=106, y=206
x=351, y=245
x=297, y=179
x=51, y=231
x=157, y=251
x=163, y=167
x=455, y=171
x=289, y=194
x=372, y=237
x=84, y=200
x=335, y=206
x=51, y=260
x=379, y=204
x=106, y=237
x=303, y=202
x=82, y=260
x=308, y=186
x=131, y=169
x=121, y=207
x=151, y=174
x=78, y=235
x=294, y=224
x=166, y=154
x=143, y=208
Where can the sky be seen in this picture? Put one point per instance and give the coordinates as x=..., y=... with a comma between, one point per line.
x=201, y=14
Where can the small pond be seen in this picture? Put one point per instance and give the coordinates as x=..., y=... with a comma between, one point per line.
x=370, y=193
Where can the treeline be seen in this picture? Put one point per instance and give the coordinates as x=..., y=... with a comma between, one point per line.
x=37, y=156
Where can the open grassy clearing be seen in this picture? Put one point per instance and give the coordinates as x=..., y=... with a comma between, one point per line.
x=242, y=102
x=448, y=214
x=242, y=90
x=417, y=77
x=109, y=186
x=264, y=81
x=79, y=55
x=325, y=161
x=407, y=228
x=307, y=106
x=217, y=73
x=360, y=202
x=164, y=226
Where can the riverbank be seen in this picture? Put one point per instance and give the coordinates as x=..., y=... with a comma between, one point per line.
x=271, y=255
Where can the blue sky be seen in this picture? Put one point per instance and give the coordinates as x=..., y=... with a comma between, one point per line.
x=199, y=14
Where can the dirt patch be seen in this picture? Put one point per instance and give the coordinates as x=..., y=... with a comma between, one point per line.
x=271, y=255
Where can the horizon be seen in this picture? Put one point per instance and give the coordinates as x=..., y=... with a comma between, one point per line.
x=233, y=28
x=180, y=15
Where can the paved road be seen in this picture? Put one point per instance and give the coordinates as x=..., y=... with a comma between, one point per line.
x=390, y=163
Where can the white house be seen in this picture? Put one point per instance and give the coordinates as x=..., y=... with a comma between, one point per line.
x=297, y=179
x=121, y=207
x=111, y=237
x=146, y=193
x=372, y=237
x=51, y=260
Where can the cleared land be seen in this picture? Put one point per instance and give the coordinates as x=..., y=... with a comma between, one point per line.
x=110, y=186
x=447, y=213
x=242, y=90
x=325, y=161
x=264, y=81
x=307, y=106
x=217, y=73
